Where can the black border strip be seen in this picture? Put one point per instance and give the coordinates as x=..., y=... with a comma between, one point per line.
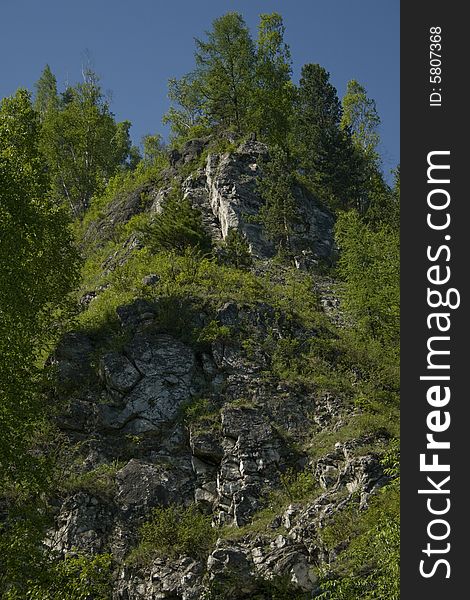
x=429, y=128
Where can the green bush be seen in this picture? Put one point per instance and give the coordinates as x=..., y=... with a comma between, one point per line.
x=174, y=531
x=299, y=486
x=98, y=482
x=201, y=415
x=369, y=567
x=121, y=183
x=75, y=578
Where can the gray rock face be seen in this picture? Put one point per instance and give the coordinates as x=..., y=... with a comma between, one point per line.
x=119, y=210
x=84, y=522
x=226, y=463
x=227, y=194
x=179, y=579
x=143, y=485
x=251, y=460
x=233, y=195
x=118, y=372
x=72, y=359
x=157, y=379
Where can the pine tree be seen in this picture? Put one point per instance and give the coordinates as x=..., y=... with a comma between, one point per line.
x=327, y=156
x=177, y=227
x=224, y=67
x=46, y=93
x=219, y=90
x=235, y=250
x=280, y=211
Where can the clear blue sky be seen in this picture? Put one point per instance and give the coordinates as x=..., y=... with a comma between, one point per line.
x=137, y=45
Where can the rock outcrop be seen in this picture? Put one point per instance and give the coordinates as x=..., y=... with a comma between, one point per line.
x=225, y=189
x=155, y=418
x=129, y=413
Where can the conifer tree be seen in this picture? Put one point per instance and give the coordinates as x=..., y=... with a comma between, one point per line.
x=280, y=211
x=224, y=67
x=219, y=90
x=46, y=93
x=177, y=227
x=326, y=154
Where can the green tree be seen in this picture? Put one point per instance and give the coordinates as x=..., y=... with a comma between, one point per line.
x=370, y=265
x=152, y=147
x=235, y=250
x=74, y=578
x=280, y=211
x=38, y=267
x=326, y=153
x=46, y=98
x=83, y=144
x=187, y=111
x=361, y=117
x=271, y=106
x=380, y=206
x=224, y=67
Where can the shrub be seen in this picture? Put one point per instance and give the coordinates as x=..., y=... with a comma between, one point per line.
x=174, y=531
x=201, y=415
x=75, y=578
x=369, y=567
x=98, y=482
x=299, y=486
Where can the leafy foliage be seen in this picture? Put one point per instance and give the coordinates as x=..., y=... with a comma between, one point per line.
x=369, y=262
x=361, y=117
x=369, y=567
x=174, y=531
x=75, y=578
x=271, y=104
x=38, y=267
x=81, y=141
x=237, y=85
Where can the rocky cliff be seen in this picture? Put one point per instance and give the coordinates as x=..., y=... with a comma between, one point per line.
x=220, y=401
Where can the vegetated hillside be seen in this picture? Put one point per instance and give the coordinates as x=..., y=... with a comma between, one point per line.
x=222, y=409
